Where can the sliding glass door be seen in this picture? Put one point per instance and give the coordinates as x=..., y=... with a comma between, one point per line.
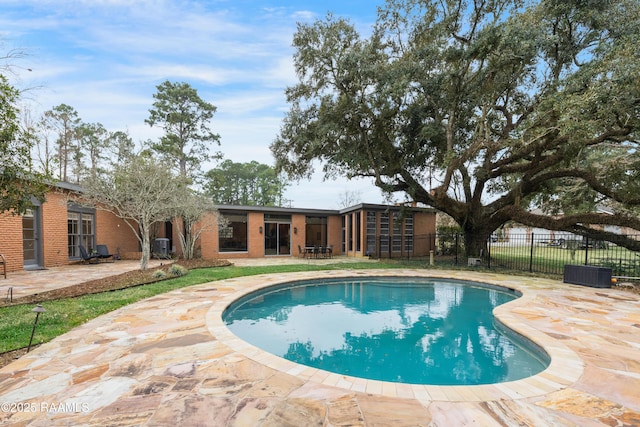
x=277, y=235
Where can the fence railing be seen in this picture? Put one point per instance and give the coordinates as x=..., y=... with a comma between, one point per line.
x=531, y=252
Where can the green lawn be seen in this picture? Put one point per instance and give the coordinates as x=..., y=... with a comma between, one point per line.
x=548, y=259
x=16, y=322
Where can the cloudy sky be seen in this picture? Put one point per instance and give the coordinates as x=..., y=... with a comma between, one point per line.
x=106, y=57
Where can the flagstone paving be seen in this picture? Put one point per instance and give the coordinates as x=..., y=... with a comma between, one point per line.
x=169, y=360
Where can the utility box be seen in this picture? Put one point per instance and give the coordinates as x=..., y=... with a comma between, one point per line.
x=474, y=262
x=161, y=247
x=587, y=275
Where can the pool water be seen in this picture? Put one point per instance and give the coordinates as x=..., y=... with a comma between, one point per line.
x=410, y=330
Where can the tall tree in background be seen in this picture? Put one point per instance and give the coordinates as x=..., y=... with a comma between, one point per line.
x=478, y=109
x=185, y=118
x=64, y=121
x=92, y=142
x=188, y=140
x=253, y=184
x=121, y=146
x=19, y=183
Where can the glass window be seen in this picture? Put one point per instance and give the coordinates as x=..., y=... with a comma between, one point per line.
x=371, y=234
x=384, y=233
x=358, y=230
x=408, y=233
x=232, y=233
x=80, y=231
x=397, y=233
x=316, y=231
x=277, y=218
x=350, y=231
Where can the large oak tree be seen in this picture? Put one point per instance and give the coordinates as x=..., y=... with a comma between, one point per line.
x=481, y=109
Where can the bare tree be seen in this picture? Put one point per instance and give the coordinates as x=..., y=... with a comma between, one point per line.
x=349, y=198
x=142, y=191
x=195, y=211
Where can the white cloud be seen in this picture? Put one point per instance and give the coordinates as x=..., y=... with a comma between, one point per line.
x=105, y=58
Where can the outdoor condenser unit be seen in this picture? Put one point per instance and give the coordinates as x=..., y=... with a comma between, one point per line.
x=161, y=247
x=587, y=275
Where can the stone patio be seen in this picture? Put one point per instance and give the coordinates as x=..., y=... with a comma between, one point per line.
x=169, y=361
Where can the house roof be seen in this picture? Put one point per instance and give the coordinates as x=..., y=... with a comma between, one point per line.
x=360, y=206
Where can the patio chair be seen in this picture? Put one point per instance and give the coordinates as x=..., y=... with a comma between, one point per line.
x=91, y=259
x=303, y=254
x=323, y=251
x=103, y=253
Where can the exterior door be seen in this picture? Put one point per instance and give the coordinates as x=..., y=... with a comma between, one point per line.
x=277, y=238
x=31, y=238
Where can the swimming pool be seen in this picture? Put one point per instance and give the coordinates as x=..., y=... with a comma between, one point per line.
x=410, y=330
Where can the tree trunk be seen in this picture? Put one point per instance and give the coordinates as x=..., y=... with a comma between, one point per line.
x=146, y=249
x=475, y=243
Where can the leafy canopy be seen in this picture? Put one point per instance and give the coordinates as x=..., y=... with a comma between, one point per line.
x=20, y=184
x=250, y=184
x=480, y=109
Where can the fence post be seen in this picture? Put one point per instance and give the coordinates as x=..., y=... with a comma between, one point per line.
x=489, y=254
x=531, y=255
x=586, y=250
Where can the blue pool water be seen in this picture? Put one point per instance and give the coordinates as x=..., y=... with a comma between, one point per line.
x=419, y=331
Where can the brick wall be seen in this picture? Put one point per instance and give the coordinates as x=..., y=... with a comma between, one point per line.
x=424, y=223
x=117, y=235
x=11, y=240
x=55, y=251
x=53, y=239
x=334, y=230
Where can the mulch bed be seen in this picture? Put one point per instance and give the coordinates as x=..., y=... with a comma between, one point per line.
x=111, y=283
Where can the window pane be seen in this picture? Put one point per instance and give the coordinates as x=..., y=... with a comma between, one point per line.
x=80, y=231
x=73, y=232
x=232, y=235
x=316, y=231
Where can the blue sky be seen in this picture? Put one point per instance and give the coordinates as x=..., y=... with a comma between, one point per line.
x=105, y=58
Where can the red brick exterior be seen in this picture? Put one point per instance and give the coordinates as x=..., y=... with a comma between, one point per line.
x=120, y=238
x=11, y=240
x=424, y=223
x=54, y=236
x=117, y=235
x=54, y=239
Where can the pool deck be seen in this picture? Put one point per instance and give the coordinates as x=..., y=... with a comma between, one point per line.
x=169, y=361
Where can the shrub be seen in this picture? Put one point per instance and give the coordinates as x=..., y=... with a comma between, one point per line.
x=177, y=270
x=159, y=274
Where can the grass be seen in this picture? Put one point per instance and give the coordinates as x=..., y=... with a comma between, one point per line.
x=16, y=322
x=545, y=259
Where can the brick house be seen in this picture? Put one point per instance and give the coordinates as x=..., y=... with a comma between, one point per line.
x=50, y=233
x=361, y=230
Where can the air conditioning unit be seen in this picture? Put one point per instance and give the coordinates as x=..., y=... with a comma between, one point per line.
x=161, y=247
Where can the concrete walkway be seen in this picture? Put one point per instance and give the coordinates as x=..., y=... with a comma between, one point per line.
x=169, y=361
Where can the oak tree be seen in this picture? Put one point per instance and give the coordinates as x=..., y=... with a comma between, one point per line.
x=481, y=109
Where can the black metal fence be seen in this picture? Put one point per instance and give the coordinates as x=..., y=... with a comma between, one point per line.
x=531, y=252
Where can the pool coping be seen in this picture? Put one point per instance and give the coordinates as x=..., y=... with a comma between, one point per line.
x=565, y=367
